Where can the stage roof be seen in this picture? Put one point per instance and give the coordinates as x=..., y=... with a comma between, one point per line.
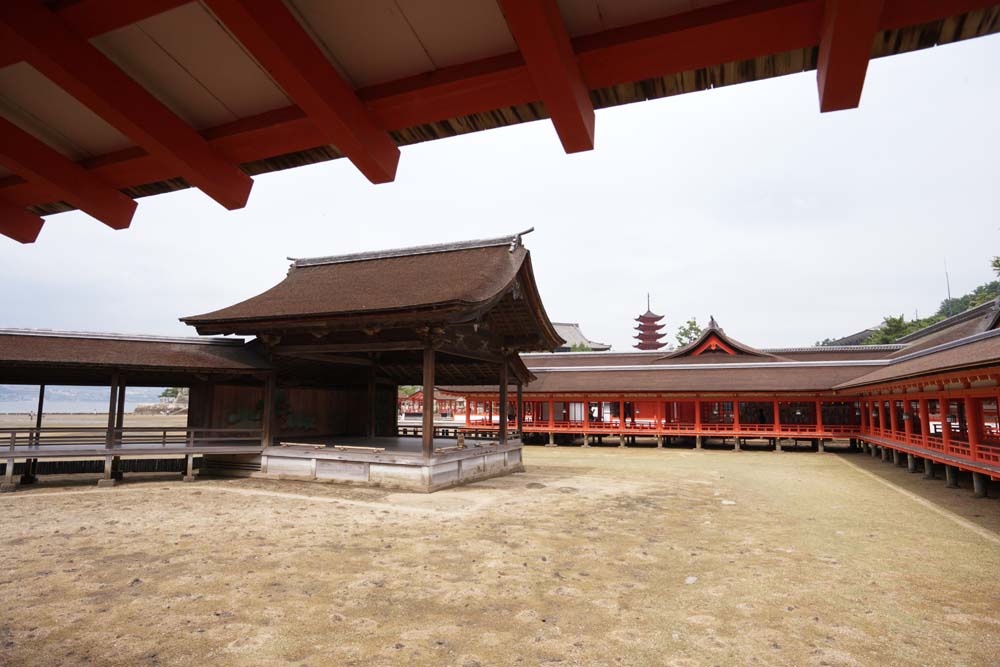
x=102, y=102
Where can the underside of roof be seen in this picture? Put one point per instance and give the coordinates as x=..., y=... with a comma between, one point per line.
x=102, y=102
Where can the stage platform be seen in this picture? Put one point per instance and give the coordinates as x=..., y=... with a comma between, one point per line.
x=391, y=462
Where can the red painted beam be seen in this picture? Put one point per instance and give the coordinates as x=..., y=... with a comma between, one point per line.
x=710, y=36
x=69, y=61
x=849, y=29
x=541, y=36
x=34, y=160
x=18, y=224
x=281, y=45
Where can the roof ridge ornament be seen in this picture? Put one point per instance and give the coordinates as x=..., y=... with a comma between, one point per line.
x=516, y=241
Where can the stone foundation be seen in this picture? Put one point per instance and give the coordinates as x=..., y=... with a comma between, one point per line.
x=388, y=469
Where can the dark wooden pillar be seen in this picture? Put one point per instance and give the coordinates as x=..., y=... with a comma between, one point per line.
x=116, y=462
x=109, y=441
x=520, y=408
x=110, y=438
x=371, y=402
x=428, y=411
x=267, y=412
x=30, y=465
x=503, y=403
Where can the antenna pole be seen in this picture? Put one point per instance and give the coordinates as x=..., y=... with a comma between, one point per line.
x=947, y=283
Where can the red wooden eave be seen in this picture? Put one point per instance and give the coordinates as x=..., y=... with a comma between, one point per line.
x=541, y=36
x=33, y=159
x=278, y=42
x=729, y=32
x=849, y=28
x=18, y=224
x=49, y=44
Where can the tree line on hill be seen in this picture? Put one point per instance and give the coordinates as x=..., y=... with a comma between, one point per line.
x=893, y=328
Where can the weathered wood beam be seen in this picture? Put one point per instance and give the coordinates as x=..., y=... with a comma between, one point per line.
x=51, y=46
x=849, y=29
x=33, y=159
x=544, y=43
x=275, y=38
x=327, y=358
x=470, y=353
x=348, y=347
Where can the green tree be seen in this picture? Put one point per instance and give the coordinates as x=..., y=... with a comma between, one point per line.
x=580, y=347
x=407, y=390
x=996, y=265
x=170, y=392
x=688, y=332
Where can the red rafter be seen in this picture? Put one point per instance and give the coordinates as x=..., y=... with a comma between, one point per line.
x=710, y=36
x=71, y=62
x=18, y=224
x=278, y=42
x=34, y=160
x=849, y=28
x=541, y=36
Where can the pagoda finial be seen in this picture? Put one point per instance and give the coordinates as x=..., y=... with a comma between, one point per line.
x=647, y=302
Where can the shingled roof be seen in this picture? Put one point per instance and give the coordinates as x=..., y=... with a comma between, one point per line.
x=72, y=357
x=452, y=283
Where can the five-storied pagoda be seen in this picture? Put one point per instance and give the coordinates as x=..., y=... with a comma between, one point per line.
x=649, y=330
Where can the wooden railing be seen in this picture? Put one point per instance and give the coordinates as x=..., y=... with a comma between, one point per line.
x=615, y=426
x=90, y=441
x=958, y=450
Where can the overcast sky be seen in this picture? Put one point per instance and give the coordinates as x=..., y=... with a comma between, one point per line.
x=742, y=202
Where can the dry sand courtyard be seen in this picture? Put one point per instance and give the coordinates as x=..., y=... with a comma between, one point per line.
x=593, y=557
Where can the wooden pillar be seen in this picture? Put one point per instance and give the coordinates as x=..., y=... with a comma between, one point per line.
x=108, y=478
x=30, y=465
x=468, y=411
x=925, y=419
x=864, y=416
x=503, y=403
x=881, y=416
x=267, y=410
x=116, y=462
x=586, y=419
x=973, y=426
x=520, y=408
x=427, y=430
x=945, y=426
x=736, y=414
x=489, y=412
x=370, y=426
x=893, y=418
x=109, y=440
x=907, y=419
x=819, y=416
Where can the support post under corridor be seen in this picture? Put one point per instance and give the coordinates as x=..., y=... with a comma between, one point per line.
x=427, y=430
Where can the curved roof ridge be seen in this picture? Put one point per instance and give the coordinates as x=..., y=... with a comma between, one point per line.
x=713, y=329
x=514, y=240
x=967, y=314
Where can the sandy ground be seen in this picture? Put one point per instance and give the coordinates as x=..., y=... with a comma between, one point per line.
x=593, y=557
